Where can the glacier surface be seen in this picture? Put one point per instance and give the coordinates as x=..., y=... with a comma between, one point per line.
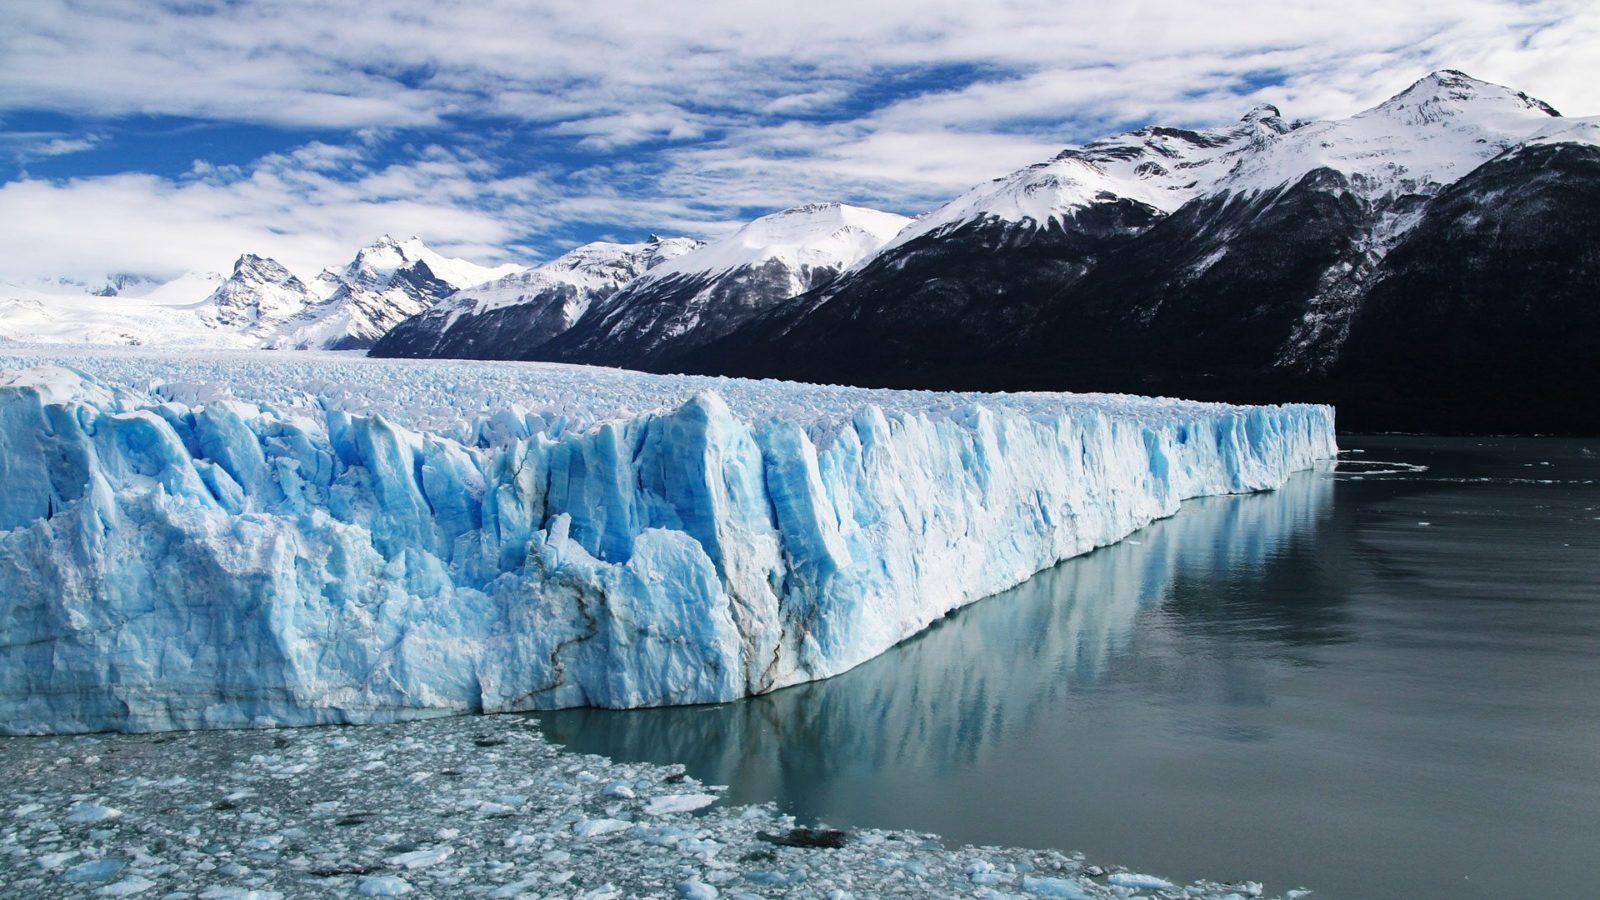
x=237, y=539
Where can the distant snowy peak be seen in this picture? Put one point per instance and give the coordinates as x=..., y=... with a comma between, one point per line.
x=126, y=284
x=387, y=282
x=605, y=264
x=377, y=263
x=707, y=293
x=514, y=315
x=591, y=270
x=260, y=303
x=260, y=292
x=1584, y=130
x=816, y=236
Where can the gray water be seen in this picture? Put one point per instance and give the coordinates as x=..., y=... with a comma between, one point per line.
x=1372, y=683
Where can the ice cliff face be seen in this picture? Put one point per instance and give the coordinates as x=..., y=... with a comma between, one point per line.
x=221, y=563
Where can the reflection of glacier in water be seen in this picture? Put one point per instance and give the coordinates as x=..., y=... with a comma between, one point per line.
x=943, y=700
x=1374, y=685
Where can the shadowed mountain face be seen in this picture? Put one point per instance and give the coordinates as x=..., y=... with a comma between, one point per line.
x=1489, y=312
x=938, y=304
x=1484, y=316
x=675, y=314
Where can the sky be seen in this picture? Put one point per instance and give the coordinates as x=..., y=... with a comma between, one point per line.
x=164, y=137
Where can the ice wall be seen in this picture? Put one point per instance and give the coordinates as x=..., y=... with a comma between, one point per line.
x=227, y=564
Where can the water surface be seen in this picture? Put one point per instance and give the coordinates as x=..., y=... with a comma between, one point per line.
x=1379, y=681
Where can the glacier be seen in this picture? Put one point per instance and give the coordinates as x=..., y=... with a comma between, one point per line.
x=238, y=539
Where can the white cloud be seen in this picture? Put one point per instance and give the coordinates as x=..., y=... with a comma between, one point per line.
x=413, y=62
x=309, y=209
x=25, y=146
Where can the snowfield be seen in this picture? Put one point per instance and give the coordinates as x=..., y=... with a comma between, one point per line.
x=230, y=539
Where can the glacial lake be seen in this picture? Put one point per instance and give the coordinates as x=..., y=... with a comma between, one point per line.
x=1382, y=680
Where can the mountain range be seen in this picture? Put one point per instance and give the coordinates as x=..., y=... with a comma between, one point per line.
x=259, y=304
x=1427, y=264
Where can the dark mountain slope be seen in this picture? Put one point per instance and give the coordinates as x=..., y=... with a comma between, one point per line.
x=1487, y=315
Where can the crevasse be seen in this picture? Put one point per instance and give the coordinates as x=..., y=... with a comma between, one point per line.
x=227, y=564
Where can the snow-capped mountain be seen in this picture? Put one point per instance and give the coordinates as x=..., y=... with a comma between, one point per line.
x=707, y=293
x=387, y=282
x=512, y=315
x=1234, y=263
x=1428, y=135
x=125, y=284
x=259, y=296
x=1159, y=167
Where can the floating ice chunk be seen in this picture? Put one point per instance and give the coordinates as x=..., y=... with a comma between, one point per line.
x=382, y=886
x=777, y=879
x=695, y=889
x=94, y=870
x=677, y=803
x=225, y=892
x=589, y=828
x=127, y=887
x=1044, y=886
x=420, y=859
x=84, y=811
x=1141, y=882
x=53, y=860
x=516, y=888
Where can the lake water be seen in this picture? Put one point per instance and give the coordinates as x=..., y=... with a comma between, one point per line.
x=1382, y=680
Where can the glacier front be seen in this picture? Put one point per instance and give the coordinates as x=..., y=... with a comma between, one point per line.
x=244, y=539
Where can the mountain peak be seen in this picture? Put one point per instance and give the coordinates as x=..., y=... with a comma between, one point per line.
x=253, y=268
x=253, y=261
x=375, y=264
x=1450, y=93
x=810, y=208
x=1260, y=112
x=815, y=234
